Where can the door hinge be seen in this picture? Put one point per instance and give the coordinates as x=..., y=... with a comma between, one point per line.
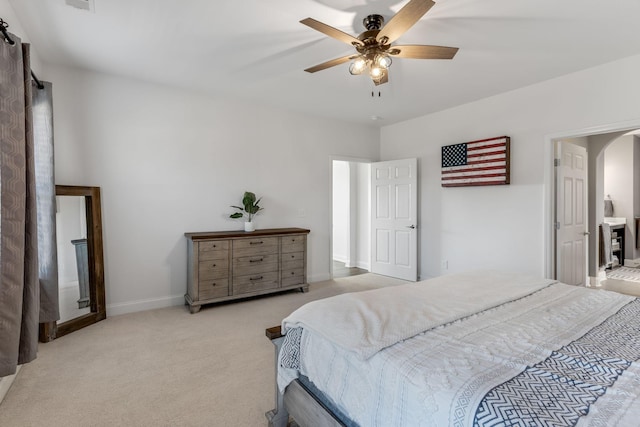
x=556, y=162
x=557, y=225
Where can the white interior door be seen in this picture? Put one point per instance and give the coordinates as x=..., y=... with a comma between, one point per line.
x=571, y=214
x=394, y=212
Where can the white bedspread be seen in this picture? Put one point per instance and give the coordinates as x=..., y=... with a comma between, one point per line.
x=439, y=375
x=366, y=322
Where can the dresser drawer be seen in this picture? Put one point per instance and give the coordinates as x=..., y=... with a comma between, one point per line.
x=290, y=265
x=257, y=246
x=213, y=269
x=218, y=249
x=213, y=288
x=293, y=244
x=250, y=260
x=293, y=256
x=255, y=282
x=255, y=264
x=292, y=276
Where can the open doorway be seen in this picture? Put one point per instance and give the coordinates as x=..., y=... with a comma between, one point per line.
x=613, y=167
x=350, y=249
x=375, y=217
x=621, y=185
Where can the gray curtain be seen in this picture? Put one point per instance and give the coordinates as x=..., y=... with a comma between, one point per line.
x=46, y=201
x=19, y=267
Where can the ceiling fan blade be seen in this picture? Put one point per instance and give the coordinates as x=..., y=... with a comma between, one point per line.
x=331, y=32
x=330, y=64
x=404, y=19
x=423, y=51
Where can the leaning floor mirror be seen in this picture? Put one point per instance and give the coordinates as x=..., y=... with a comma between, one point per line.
x=81, y=290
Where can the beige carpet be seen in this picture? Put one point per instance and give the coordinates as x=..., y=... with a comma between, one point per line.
x=164, y=367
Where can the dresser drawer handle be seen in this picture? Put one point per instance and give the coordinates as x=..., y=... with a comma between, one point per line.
x=214, y=284
x=293, y=273
x=256, y=260
x=256, y=243
x=293, y=256
x=255, y=278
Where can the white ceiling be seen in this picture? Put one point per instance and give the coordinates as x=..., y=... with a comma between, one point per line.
x=257, y=49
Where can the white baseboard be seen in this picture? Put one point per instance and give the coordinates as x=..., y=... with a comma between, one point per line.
x=5, y=383
x=340, y=258
x=319, y=277
x=153, y=303
x=142, y=305
x=365, y=265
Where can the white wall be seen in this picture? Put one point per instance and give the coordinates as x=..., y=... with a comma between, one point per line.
x=618, y=175
x=504, y=226
x=351, y=213
x=341, y=209
x=170, y=162
x=364, y=216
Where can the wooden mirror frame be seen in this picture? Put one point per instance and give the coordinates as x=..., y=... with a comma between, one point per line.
x=52, y=330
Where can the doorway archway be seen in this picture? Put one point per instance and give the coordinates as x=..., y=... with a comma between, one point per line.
x=596, y=140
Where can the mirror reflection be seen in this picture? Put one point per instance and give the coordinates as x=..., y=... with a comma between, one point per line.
x=81, y=292
x=73, y=261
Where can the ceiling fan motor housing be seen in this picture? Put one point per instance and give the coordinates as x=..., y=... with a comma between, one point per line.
x=373, y=22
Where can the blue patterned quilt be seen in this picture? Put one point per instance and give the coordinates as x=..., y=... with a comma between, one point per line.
x=561, y=356
x=561, y=388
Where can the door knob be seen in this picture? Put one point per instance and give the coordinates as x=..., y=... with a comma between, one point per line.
x=586, y=233
x=411, y=226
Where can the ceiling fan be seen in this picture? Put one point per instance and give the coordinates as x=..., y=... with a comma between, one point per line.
x=374, y=48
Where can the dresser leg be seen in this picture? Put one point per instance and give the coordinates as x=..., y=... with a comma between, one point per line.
x=193, y=309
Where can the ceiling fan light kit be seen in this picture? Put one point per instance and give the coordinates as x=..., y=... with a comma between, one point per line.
x=376, y=66
x=374, y=46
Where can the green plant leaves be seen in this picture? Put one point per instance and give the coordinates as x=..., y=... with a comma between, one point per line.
x=251, y=206
x=249, y=198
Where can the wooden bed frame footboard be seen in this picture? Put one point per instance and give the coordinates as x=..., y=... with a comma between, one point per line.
x=296, y=402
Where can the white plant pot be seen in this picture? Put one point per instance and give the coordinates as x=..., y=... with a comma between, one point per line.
x=248, y=226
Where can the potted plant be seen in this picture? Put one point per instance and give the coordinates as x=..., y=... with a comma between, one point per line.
x=248, y=209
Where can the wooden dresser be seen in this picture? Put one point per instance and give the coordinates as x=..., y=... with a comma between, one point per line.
x=227, y=265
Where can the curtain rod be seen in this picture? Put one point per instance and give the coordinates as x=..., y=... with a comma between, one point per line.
x=39, y=84
x=3, y=28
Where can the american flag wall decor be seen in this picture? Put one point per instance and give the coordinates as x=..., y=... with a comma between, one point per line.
x=484, y=162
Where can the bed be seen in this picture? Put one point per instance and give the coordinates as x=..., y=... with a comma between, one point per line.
x=473, y=349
